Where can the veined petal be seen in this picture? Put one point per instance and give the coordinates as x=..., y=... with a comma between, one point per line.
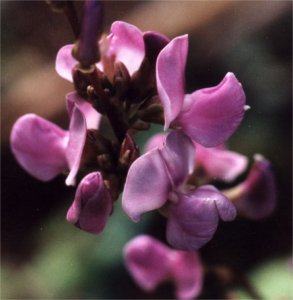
x=178, y=153
x=39, y=146
x=211, y=115
x=171, y=78
x=194, y=219
x=220, y=163
x=147, y=185
x=126, y=43
x=257, y=195
x=65, y=62
x=92, y=204
x=147, y=261
x=187, y=273
x=92, y=117
x=77, y=136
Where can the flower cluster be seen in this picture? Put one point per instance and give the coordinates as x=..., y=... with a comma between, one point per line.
x=133, y=79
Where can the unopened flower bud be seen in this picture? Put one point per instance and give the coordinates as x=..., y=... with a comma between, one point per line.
x=92, y=204
x=153, y=112
x=86, y=50
x=129, y=151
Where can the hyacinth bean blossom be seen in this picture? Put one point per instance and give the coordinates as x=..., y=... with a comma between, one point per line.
x=45, y=150
x=128, y=80
x=254, y=198
x=144, y=254
x=216, y=163
x=156, y=181
x=209, y=116
x=126, y=44
x=92, y=204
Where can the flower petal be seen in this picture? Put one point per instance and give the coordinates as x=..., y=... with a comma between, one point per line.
x=193, y=220
x=65, y=62
x=220, y=163
x=92, y=204
x=147, y=261
x=147, y=185
x=156, y=141
x=210, y=116
x=39, y=146
x=187, y=273
x=126, y=43
x=257, y=194
x=92, y=117
x=77, y=137
x=170, y=77
x=178, y=154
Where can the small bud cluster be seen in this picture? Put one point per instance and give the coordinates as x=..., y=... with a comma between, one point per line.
x=131, y=79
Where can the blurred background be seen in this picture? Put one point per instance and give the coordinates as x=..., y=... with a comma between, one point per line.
x=43, y=256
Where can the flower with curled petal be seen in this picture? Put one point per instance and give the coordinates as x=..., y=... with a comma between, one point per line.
x=157, y=180
x=126, y=43
x=150, y=263
x=217, y=162
x=210, y=115
x=92, y=204
x=256, y=197
x=45, y=150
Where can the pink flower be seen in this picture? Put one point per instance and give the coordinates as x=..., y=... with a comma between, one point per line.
x=209, y=116
x=126, y=43
x=45, y=150
x=216, y=162
x=92, y=204
x=256, y=197
x=150, y=263
x=156, y=181
x=220, y=163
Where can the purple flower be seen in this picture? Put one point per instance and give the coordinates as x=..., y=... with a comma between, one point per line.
x=150, y=263
x=209, y=116
x=92, y=204
x=256, y=197
x=125, y=43
x=220, y=163
x=216, y=162
x=156, y=181
x=45, y=150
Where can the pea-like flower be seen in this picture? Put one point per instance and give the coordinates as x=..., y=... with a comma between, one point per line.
x=92, y=204
x=210, y=115
x=126, y=44
x=45, y=150
x=157, y=180
x=151, y=263
x=256, y=197
x=217, y=163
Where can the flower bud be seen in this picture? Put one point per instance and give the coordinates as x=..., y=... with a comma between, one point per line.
x=86, y=50
x=256, y=197
x=92, y=204
x=129, y=151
